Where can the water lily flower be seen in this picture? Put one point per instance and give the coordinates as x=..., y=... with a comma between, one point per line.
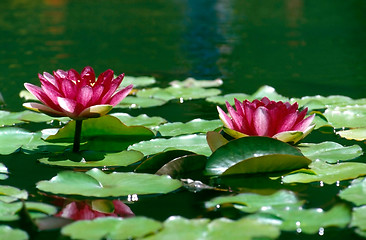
x=78, y=96
x=81, y=210
x=264, y=117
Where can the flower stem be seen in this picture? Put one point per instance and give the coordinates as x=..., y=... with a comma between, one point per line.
x=77, y=136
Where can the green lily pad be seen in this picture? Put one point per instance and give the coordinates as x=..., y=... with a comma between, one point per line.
x=11, y=139
x=10, y=194
x=321, y=102
x=140, y=102
x=358, y=134
x=141, y=120
x=327, y=173
x=106, y=126
x=38, y=145
x=352, y=116
x=30, y=116
x=3, y=172
x=194, y=143
x=9, y=118
x=251, y=202
x=8, y=211
x=27, y=95
x=7, y=232
x=215, y=140
x=40, y=210
x=191, y=82
x=244, y=229
x=141, y=81
x=330, y=152
x=359, y=219
x=170, y=93
x=90, y=159
x=269, y=92
x=229, y=97
x=308, y=221
x=355, y=193
x=194, y=126
x=96, y=183
x=111, y=228
x=254, y=154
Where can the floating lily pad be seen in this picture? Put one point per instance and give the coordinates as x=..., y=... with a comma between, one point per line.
x=359, y=219
x=330, y=152
x=27, y=95
x=269, y=92
x=352, y=116
x=9, y=118
x=178, y=93
x=40, y=210
x=90, y=159
x=29, y=116
x=7, y=232
x=111, y=228
x=327, y=173
x=10, y=194
x=229, y=97
x=191, y=82
x=141, y=81
x=38, y=145
x=321, y=102
x=253, y=155
x=8, y=211
x=194, y=126
x=222, y=228
x=358, y=134
x=141, y=120
x=355, y=193
x=251, y=202
x=194, y=143
x=106, y=126
x=11, y=139
x=96, y=183
x=140, y=102
x=3, y=172
x=306, y=220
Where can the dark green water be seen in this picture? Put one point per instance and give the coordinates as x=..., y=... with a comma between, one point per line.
x=299, y=47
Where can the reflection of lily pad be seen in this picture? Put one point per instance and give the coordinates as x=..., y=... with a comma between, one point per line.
x=194, y=126
x=330, y=152
x=191, y=82
x=90, y=159
x=327, y=173
x=194, y=143
x=254, y=154
x=111, y=228
x=251, y=202
x=96, y=183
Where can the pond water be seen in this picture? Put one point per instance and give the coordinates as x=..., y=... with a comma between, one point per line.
x=301, y=48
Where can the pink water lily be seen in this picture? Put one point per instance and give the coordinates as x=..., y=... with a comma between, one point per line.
x=268, y=118
x=78, y=96
x=82, y=210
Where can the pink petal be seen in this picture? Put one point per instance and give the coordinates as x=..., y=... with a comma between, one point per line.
x=304, y=124
x=119, y=96
x=40, y=94
x=69, y=211
x=237, y=120
x=97, y=92
x=43, y=108
x=105, y=77
x=73, y=75
x=94, y=111
x=67, y=105
x=87, y=76
x=225, y=118
x=48, y=79
x=261, y=121
x=122, y=209
x=69, y=89
x=85, y=95
x=287, y=123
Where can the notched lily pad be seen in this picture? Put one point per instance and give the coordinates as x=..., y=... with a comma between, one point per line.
x=330, y=152
x=195, y=143
x=194, y=126
x=91, y=159
x=327, y=173
x=253, y=155
x=96, y=183
x=111, y=228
